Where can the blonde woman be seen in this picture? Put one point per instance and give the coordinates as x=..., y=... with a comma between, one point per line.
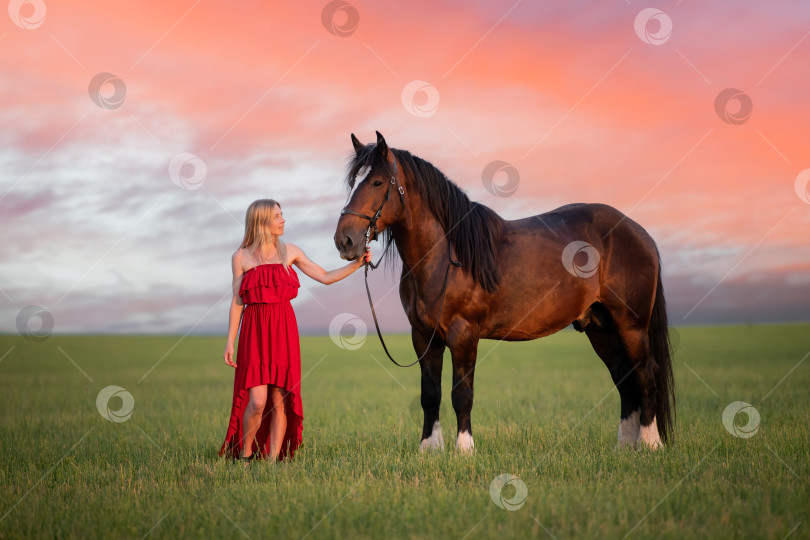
x=267, y=414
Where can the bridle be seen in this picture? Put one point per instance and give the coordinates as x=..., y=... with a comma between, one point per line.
x=368, y=236
x=373, y=219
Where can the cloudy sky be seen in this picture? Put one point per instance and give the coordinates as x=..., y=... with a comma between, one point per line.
x=135, y=134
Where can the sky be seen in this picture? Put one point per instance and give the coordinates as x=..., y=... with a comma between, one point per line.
x=135, y=135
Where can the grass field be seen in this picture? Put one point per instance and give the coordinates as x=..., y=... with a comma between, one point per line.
x=545, y=411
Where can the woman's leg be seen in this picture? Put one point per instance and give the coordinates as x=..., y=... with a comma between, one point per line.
x=278, y=420
x=253, y=418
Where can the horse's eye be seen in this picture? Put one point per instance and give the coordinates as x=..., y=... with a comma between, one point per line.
x=377, y=183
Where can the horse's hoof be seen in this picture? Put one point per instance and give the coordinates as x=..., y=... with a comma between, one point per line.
x=625, y=445
x=435, y=441
x=651, y=445
x=431, y=446
x=465, y=443
x=649, y=437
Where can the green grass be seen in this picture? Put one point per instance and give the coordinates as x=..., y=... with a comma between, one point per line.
x=545, y=411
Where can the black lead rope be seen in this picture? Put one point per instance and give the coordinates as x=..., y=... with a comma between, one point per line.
x=438, y=320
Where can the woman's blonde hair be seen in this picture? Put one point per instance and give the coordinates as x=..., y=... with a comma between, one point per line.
x=258, y=219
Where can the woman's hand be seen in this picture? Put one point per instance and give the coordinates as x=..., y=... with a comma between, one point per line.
x=366, y=258
x=362, y=261
x=228, y=355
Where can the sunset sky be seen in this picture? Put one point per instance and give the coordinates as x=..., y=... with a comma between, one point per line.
x=586, y=102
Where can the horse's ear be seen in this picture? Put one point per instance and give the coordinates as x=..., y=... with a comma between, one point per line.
x=382, y=146
x=357, y=144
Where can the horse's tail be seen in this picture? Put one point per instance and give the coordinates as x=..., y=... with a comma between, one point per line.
x=658, y=335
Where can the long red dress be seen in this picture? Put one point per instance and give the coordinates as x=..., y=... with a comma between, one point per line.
x=268, y=353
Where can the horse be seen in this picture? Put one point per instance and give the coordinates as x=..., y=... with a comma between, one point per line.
x=468, y=274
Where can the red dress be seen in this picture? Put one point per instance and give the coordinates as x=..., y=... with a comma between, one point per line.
x=268, y=353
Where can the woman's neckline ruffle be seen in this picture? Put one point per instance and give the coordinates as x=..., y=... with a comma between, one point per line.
x=268, y=275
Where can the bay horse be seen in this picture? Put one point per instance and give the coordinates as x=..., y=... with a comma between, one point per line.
x=468, y=274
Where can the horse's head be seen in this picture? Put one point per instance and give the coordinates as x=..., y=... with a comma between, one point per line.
x=377, y=200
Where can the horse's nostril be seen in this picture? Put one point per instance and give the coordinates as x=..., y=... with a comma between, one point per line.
x=348, y=242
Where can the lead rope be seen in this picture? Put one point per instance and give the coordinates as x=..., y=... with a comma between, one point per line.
x=438, y=320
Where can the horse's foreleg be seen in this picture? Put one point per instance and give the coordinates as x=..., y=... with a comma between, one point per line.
x=465, y=349
x=431, y=399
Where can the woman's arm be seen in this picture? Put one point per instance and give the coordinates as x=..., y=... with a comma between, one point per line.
x=235, y=313
x=327, y=277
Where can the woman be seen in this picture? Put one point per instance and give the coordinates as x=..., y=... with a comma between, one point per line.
x=266, y=414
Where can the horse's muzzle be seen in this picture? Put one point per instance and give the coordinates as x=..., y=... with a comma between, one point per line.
x=349, y=241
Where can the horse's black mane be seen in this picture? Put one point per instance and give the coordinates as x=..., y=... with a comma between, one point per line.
x=474, y=230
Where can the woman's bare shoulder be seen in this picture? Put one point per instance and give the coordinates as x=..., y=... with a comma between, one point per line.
x=293, y=252
x=240, y=257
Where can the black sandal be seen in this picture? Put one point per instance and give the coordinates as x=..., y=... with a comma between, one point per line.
x=248, y=459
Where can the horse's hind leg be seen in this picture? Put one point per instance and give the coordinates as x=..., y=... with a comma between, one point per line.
x=431, y=399
x=636, y=342
x=607, y=343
